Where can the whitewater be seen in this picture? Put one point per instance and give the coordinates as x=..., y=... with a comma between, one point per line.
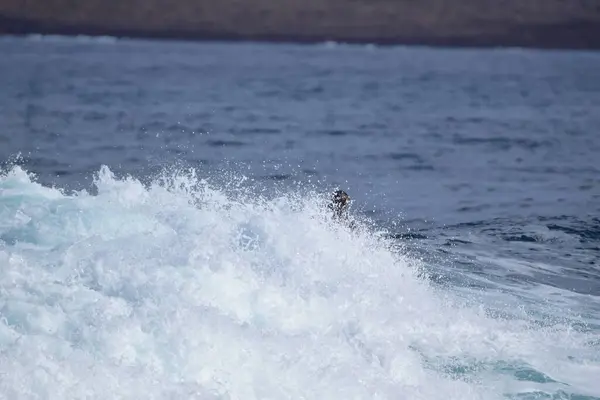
x=183, y=287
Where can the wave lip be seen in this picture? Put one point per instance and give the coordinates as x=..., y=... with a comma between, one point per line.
x=176, y=289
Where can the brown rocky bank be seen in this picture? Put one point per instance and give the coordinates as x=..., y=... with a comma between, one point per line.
x=526, y=23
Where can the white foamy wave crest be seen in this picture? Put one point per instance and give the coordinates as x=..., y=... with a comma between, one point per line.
x=68, y=38
x=177, y=290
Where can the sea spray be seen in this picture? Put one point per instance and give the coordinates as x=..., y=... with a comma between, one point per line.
x=183, y=289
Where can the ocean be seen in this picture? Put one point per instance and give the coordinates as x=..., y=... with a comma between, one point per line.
x=164, y=230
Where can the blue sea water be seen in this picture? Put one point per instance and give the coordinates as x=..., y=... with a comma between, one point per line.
x=163, y=229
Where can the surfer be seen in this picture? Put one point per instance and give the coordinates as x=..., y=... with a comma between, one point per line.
x=339, y=205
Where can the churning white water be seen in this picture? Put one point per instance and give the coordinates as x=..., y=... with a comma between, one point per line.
x=175, y=290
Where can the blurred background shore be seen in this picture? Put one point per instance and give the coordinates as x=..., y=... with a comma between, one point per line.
x=533, y=23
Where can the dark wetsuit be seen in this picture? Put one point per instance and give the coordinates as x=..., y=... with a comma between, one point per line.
x=339, y=205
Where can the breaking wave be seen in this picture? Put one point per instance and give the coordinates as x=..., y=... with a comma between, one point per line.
x=181, y=288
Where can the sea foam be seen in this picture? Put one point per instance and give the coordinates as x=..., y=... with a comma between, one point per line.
x=180, y=288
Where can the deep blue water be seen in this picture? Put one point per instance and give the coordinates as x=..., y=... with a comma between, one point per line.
x=481, y=165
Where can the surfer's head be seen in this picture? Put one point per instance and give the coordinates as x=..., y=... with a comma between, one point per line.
x=340, y=202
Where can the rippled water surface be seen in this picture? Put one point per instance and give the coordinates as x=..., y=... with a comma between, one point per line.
x=163, y=234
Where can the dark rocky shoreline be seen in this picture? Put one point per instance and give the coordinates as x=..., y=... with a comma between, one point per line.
x=560, y=25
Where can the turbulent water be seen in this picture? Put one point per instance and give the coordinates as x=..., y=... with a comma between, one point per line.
x=164, y=230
